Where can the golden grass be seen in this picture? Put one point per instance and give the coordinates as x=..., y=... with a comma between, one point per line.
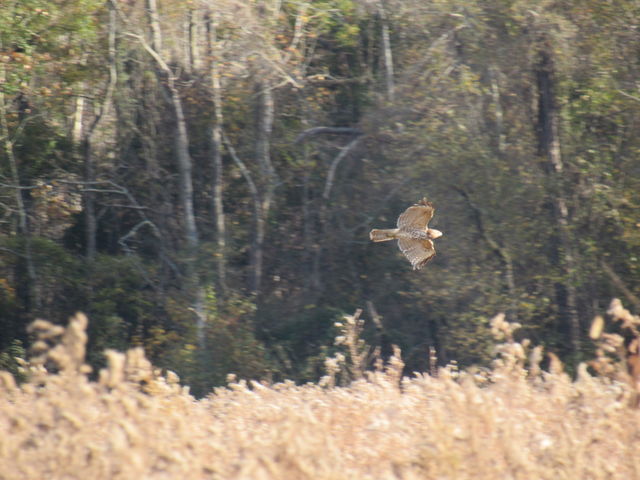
x=513, y=422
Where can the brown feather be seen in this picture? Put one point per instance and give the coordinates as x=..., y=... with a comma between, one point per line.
x=418, y=252
x=413, y=234
x=382, y=235
x=416, y=216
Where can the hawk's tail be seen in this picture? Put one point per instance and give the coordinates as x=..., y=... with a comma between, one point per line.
x=382, y=235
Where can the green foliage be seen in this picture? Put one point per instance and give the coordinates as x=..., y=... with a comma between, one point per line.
x=337, y=19
x=300, y=340
x=230, y=346
x=121, y=305
x=32, y=32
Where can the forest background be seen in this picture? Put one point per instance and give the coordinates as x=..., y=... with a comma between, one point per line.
x=164, y=168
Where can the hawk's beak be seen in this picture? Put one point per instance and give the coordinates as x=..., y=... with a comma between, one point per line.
x=433, y=233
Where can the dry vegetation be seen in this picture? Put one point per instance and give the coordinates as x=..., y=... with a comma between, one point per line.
x=515, y=421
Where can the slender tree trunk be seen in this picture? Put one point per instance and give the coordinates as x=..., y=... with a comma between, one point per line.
x=387, y=52
x=87, y=142
x=257, y=257
x=501, y=252
x=253, y=190
x=549, y=147
x=182, y=138
x=186, y=44
x=371, y=34
x=308, y=238
x=495, y=93
x=154, y=26
x=216, y=148
x=83, y=149
x=324, y=208
x=77, y=122
x=193, y=52
x=185, y=169
x=185, y=173
x=89, y=209
x=32, y=291
x=265, y=114
x=316, y=248
x=78, y=115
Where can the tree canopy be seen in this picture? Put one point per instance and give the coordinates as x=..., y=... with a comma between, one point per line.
x=200, y=177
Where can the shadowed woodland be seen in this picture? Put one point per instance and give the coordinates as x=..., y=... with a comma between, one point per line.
x=200, y=177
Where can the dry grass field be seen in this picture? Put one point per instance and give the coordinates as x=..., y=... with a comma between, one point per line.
x=515, y=421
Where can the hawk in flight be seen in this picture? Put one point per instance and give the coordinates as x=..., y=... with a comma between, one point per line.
x=413, y=234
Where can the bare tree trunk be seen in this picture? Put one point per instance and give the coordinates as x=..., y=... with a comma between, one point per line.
x=501, y=252
x=182, y=139
x=311, y=282
x=77, y=122
x=185, y=173
x=316, y=280
x=154, y=26
x=193, y=51
x=549, y=146
x=87, y=142
x=78, y=115
x=495, y=93
x=32, y=291
x=82, y=149
x=387, y=52
x=216, y=147
x=81, y=141
x=370, y=52
x=185, y=169
x=324, y=207
x=257, y=252
x=89, y=210
x=265, y=114
x=253, y=190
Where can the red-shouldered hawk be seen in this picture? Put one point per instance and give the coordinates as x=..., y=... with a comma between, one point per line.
x=413, y=234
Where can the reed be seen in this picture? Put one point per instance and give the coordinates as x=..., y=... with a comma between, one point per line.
x=515, y=420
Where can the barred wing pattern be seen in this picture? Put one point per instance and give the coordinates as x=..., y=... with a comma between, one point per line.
x=418, y=252
x=416, y=216
x=413, y=234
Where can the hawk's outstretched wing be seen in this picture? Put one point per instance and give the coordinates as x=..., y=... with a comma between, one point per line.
x=418, y=251
x=416, y=216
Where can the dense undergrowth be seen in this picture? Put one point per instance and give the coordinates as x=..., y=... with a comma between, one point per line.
x=515, y=420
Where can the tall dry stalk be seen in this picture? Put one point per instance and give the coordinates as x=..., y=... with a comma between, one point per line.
x=511, y=421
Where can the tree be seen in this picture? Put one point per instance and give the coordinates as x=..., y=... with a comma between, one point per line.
x=213, y=51
x=221, y=164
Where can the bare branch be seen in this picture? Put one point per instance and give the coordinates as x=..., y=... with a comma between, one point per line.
x=628, y=95
x=328, y=131
x=18, y=187
x=119, y=205
x=617, y=281
x=165, y=68
x=334, y=166
x=501, y=252
x=123, y=240
x=288, y=78
x=243, y=168
x=13, y=252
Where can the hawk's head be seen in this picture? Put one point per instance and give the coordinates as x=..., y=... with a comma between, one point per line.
x=432, y=233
